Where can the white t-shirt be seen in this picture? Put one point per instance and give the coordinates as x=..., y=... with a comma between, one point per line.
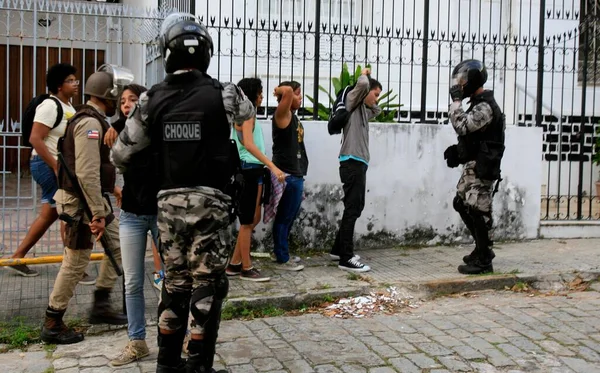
x=46, y=113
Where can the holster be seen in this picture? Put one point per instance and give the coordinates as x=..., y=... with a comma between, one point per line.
x=78, y=235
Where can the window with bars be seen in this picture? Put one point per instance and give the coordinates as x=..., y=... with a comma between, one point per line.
x=279, y=45
x=188, y=6
x=589, y=27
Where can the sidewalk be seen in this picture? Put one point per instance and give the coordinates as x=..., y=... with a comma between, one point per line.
x=431, y=269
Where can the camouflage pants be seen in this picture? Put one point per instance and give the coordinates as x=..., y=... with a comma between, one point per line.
x=476, y=193
x=196, y=246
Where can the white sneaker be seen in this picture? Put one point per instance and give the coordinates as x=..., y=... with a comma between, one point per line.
x=289, y=266
x=336, y=258
x=354, y=265
x=158, y=281
x=293, y=259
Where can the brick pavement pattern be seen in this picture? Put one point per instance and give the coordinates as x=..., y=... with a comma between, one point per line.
x=485, y=332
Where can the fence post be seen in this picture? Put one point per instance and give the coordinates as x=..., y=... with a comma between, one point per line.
x=540, y=75
x=586, y=51
x=317, y=56
x=425, y=64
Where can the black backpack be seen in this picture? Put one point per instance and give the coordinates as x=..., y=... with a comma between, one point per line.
x=29, y=115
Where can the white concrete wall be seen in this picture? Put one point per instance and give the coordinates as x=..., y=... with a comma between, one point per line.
x=410, y=188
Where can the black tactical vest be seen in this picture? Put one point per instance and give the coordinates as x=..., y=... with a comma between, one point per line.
x=485, y=146
x=190, y=132
x=67, y=148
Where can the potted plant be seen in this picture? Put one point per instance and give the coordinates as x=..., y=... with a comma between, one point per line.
x=346, y=78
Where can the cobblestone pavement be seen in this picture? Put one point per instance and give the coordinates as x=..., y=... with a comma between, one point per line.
x=483, y=332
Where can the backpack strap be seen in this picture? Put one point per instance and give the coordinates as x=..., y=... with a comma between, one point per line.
x=59, y=111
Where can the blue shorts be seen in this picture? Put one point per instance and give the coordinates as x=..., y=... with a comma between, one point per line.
x=45, y=177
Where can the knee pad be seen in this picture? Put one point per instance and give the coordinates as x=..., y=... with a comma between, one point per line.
x=178, y=304
x=482, y=219
x=201, y=303
x=206, y=296
x=221, y=287
x=459, y=204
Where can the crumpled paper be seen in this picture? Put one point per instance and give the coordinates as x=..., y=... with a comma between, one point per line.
x=388, y=301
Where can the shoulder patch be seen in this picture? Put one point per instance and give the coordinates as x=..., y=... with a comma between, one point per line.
x=93, y=134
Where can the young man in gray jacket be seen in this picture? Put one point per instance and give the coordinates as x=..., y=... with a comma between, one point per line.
x=354, y=157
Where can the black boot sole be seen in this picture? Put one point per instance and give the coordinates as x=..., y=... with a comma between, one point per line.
x=467, y=269
x=59, y=341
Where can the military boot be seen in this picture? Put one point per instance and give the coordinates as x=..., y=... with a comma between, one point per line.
x=468, y=259
x=477, y=267
x=166, y=369
x=54, y=330
x=102, y=312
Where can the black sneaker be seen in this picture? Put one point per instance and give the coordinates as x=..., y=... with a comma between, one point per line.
x=354, y=265
x=24, y=271
x=476, y=268
x=233, y=269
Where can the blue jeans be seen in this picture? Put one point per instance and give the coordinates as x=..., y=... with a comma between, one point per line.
x=45, y=177
x=133, y=231
x=288, y=209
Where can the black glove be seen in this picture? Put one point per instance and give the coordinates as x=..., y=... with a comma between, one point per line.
x=456, y=92
x=451, y=156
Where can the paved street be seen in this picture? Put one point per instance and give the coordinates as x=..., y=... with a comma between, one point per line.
x=487, y=332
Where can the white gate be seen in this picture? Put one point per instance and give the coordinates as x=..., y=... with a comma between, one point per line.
x=34, y=35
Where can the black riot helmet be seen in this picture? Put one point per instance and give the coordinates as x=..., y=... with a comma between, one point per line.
x=185, y=43
x=471, y=75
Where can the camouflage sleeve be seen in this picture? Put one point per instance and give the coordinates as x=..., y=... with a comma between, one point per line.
x=237, y=106
x=476, y=119
x=134, y=137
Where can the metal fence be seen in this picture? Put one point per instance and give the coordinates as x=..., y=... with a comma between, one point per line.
x=542, y=59
x=35, y=34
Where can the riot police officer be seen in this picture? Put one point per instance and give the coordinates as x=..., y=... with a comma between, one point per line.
x=186, y=120
x=480, y=148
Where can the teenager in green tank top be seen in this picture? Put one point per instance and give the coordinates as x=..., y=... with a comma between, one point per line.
x=251, y=147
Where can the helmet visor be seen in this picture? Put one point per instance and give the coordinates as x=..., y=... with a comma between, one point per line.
x=122, y=76
x=460, y=78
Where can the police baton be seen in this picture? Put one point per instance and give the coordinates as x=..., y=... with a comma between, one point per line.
x=103, y=240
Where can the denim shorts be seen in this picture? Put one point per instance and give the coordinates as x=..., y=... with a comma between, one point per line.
x=45, y=177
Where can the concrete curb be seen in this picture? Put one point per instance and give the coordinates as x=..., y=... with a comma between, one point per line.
x=423, y=290
x=420, y=290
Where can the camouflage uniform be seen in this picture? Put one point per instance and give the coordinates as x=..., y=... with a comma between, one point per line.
x=195, y=240
x=474, y=192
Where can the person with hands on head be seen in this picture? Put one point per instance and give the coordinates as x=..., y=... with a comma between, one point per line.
x=354, y=159
x=289, y=155
x=480, y=148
